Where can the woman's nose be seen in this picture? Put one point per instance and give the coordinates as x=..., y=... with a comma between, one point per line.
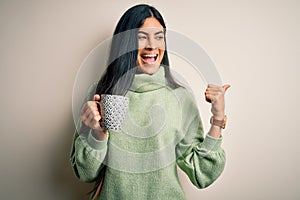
x=150, y=44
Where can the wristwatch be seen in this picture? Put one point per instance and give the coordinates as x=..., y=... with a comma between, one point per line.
x=220, y=123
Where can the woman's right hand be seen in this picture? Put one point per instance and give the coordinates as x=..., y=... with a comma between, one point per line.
x=91, y=117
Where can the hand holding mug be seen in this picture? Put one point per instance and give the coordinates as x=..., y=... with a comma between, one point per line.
x=90, y=116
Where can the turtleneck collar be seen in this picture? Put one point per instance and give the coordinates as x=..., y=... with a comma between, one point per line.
x=149, y=82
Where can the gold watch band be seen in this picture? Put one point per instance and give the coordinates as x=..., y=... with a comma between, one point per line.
x=220, y=123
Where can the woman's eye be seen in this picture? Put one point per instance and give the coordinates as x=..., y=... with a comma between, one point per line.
x=160, y=37
x=142, y=37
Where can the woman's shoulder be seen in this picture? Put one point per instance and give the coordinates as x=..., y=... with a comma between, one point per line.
x=188, y=104
x=184, y=93
x=186, y=97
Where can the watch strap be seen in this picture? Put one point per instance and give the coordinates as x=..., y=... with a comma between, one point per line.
x=220, y=123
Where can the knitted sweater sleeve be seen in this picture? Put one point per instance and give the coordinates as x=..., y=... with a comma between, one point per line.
x=87, y=153
x=201, y=158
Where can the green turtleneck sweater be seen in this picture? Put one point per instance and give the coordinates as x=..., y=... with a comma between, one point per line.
x=162, y=128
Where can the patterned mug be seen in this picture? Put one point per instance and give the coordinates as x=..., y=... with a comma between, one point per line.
x=114, y=110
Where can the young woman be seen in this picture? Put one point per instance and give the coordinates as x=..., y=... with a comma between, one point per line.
x=162, y=128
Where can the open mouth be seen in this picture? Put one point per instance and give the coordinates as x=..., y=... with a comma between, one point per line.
x=149, y=58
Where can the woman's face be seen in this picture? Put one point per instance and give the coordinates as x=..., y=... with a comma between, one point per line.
x=151, y=42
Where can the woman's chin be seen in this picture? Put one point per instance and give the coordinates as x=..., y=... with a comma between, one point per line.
x=149, y=68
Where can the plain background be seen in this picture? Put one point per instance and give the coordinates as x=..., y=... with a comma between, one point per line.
x=254, y=44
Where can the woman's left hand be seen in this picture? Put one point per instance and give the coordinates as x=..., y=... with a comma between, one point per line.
x=215, y=95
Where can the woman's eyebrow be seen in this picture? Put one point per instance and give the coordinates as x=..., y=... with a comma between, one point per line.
x=159, y=32
x=143, y=32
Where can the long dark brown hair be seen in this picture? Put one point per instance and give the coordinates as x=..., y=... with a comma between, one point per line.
x=124, y=50
x=121, y=67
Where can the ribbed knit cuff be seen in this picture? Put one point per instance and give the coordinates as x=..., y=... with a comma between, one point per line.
x=96, y=144
x=212, y=144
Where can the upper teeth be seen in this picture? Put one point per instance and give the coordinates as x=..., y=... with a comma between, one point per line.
x=150, y=55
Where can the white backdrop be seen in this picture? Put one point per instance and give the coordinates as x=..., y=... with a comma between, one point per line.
x=254, y=44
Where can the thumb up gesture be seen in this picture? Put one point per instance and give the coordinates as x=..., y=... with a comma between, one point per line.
x=216, y=96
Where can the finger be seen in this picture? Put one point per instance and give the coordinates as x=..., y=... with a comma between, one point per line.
x=83, y=119
x=85, y=113
x=93, y=114
x=214, y=88
x=97, y=97
x=215, y=93
x=86, y=119
x=96, y=120
x=83, y=109
x=225, y=87
x=207, y=94
x=93, y=120
x=211, y=86
x=92, y=104
x=87, y=107
x=93, y=108
x=209, y=98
